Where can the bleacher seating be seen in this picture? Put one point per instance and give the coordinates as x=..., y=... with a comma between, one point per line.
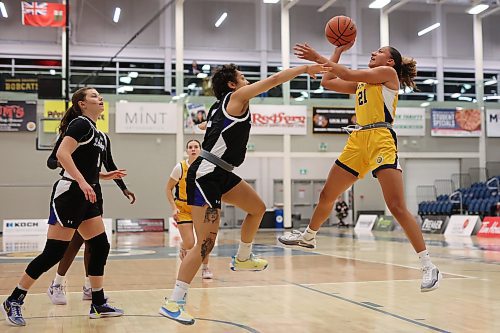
x=478, y=199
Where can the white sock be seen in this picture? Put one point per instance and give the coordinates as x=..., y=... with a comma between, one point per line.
x=22, y=288
x=204, y=266
x=180, y=291
x=425, y=259
x=309, y=234
x=244, y=251
x=59, y=280
x=87, y=282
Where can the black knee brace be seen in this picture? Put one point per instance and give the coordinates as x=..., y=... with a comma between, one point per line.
x=51, y=255
x=99, y=250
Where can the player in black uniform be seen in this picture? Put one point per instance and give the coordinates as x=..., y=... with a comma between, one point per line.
x=210, y=179
x=56, y=290
x=76, y=202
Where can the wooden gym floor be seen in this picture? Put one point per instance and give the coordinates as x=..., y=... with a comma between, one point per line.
x=351, y=283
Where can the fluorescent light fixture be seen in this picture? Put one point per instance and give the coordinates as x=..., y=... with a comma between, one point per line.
x=191, y=86
x=3, y=10
x=221, y=19
x=467, y=86
x=428, y=29
x=128, y=88
x=456, y=95
x=201, y=75
x=175, y=98
x=424, y=104
x=492, y=97
x=478, y=9
x=116, y=17
x=490, y=82
x=319, y=90
x=300, y=99
x=465, y=98
x=52, y=72
x=133, y=75
x=379, y=4
x=126, y=79
x=430, y=81
x=205, y=68
x=430, y=97
x=305, y=94
x=270, y=1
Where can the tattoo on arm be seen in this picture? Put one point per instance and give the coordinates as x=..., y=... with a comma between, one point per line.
x=211, y=215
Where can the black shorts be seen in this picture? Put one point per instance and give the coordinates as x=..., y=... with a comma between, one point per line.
x=206, y=183
x=69, y=207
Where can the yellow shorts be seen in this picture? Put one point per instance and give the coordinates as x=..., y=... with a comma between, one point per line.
x=369, y=150
x=184, y=215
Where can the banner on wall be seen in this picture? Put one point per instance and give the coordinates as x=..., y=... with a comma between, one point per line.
x=19, y=83
x=434, y=224
x=279, y=119
x=140, y=225
x=56, y=109
x=17, y=116
x=332, y=119
x=152, y=118
x=493, y=123
x=409, y=122
x=194, y=114
x=365, y=222
x=457, y=122
x=462, y=225
x=490, y=227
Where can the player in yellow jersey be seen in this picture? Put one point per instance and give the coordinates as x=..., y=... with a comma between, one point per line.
x=372, y=144
x=181, y=210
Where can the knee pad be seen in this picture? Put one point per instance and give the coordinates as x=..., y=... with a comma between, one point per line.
x=99, y=250
x=51, y=255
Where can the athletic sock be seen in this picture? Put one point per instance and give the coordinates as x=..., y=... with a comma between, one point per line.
x=309, y=234
x=244, y=251
x=18, y=294
x=425, y=259
x=180, y=291
x=58, y=280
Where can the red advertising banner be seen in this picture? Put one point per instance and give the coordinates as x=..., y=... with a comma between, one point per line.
x=17, y=116
x=43, y=14
x=490, y=227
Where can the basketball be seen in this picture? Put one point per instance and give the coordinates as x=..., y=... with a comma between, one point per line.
x=340, y=30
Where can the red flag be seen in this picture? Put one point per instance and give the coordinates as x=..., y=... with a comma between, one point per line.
x=44, y=14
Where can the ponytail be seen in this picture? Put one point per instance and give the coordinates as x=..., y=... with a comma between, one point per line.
x=406, y=68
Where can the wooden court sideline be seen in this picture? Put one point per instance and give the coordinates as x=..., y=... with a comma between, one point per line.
x=350, y=283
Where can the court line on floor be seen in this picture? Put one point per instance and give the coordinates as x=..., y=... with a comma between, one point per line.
x=437, y=329
x=247, y=328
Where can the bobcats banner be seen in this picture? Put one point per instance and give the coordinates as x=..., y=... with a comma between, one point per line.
x=55, y=110
x=43, y=14
x=17, y=116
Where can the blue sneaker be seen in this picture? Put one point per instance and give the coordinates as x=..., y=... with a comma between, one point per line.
x=12, y=312
x=175, y=311
x=105, y=310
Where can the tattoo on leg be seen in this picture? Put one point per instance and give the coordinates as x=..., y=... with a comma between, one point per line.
x=206, y=247
x=212, y=215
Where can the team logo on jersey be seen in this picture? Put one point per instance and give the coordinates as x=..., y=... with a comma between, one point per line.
x=380, y=159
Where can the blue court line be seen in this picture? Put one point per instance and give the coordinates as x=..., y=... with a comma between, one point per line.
x=372, y=308
x=246, y=328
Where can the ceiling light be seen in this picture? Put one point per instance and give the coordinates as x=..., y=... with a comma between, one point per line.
x=270, y=1
x=379, y=3
x=126, y=79
x=116, y=17
x=428, y=29
x=455, y=95
x=3, y=10
x=201, y=75
x=430, y=81
x=478, y=9
x=424, y=104
x=221, y=19
x=490, y=82
x=52, y=72
x=465, y=98
x=205, y=68
x=133, y=75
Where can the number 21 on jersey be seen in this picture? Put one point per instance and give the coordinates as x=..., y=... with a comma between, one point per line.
x=362, y=97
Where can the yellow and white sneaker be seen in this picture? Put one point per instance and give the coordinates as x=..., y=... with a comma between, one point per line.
x=175, y=310
x=251, y=264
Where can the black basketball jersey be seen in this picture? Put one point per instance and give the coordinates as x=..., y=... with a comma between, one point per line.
x=91, y=148
x=227, y=136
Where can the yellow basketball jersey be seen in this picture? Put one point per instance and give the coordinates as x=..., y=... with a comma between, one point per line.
x=180, y=188
x=375, y=103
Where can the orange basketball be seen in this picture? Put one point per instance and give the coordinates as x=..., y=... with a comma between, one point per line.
x=340, y=30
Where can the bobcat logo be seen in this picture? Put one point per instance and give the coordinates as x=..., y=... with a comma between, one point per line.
x=380, y=159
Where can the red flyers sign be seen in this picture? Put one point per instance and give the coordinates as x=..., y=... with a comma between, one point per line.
x=490, y=227
x=43, y=14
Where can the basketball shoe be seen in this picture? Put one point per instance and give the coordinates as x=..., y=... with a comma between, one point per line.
x=57, y=294
x=251, y=264
x=12, y=312
x=296, y=239
x=175, y=311
x=430, y=279
x=105, y=310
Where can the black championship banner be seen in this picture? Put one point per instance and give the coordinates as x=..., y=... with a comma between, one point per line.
x=139, y=225
x=17, y=116
x=19, y=83
x=331, y=120
x=434, y=224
